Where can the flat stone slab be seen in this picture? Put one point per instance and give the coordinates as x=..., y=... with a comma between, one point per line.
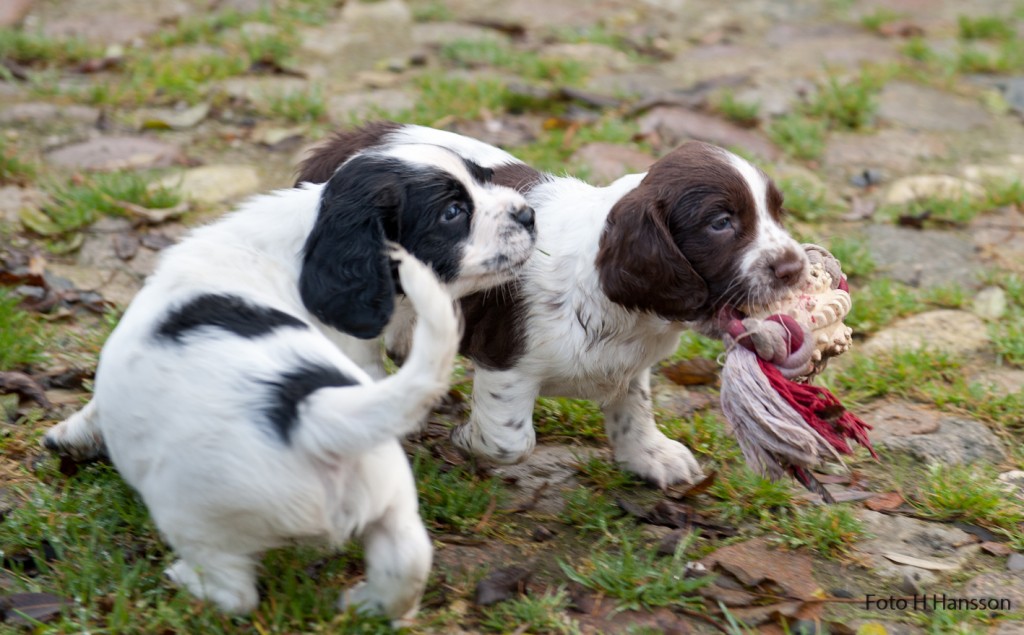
x=919, y=107
x=606, y=162
x=901, y=535
x=894, y=150
x=946, y=330
x=930, y=436
x=672, y=125
x=214, y=184
x=552, y=467
x=106, y=154
x=924, y=257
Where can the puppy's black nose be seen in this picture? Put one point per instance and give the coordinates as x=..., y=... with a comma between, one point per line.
x=788, y=267
x=524, y=216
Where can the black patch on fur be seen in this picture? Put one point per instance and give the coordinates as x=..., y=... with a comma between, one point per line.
x=495, y=333
x=346, y=280
x=340, y=147
x=288, y=391
x=479, y=173
x=228, y=312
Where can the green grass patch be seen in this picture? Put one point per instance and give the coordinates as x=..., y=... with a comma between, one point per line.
x=964, y=492
x=881, y=301
x=13, y=169
x=1008, y=339
x=744, y=113
x=854, y=255
x=830, y=530
x=799, y=137
x=305, y=106
x=987, y=27
x=900, y=373
x=742, y=495
x=879, y=18
x=593, y=513
x=692, y=344
x=21, y=338
x=705, y=434
x=803, y=198
x=78, y=204
x=638, y=578
x=36, y=50
x=542, y=614
x=846, y=104
x=453, y=498
x=552, y=152
x=440, y=96
x=557, y=418
x=605, y=475
x=169, y=79
x=529, y=65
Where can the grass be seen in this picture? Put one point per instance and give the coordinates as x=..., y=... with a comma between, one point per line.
x=804, y=199
x=854, y=255
x=593, y=514
x=846, y=104
x=798, y=136
x=81, y=202
x=638, y=578
x=453, y=498
x=705, y=434
x=900, y=373
x=543, y=614
x=605, y=475
x=37, y=50
x=744, y=113
x=964, y=492
x=881, y=301
x=878, y=18
x=441, y=95
x=529, y=65
x=13, y=169
x=306, y=106
x=22, y=344
x=692, y=344
x=829, y=530
x=742, y=495
x=556, y=418
x=988, y=27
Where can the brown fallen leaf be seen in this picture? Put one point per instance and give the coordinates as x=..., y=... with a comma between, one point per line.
x=22, y=384
x=754, y=563
x=920, y=563
x=501, y=585
x=698, y=371
x=996, y=549
x=677, y=492
x=884, y=502
x=25, y=609
x=901, y=28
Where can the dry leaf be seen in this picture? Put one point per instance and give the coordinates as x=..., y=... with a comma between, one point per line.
x=996, y=548
x=692, y=372
x=884, y=502
x=25, y=609
x=500, y=585
x=920, y=563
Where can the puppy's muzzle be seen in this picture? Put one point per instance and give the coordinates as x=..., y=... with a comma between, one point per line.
x=525, y=216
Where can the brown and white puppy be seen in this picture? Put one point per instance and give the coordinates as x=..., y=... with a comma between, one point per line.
x=617, y=274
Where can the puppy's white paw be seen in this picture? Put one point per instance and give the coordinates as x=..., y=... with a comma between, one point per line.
x=505, y=449
x=77, y=438
x=238, y=599
x=660, y=461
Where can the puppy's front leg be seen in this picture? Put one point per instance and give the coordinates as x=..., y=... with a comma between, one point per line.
x=638, y=443
x=500, y=427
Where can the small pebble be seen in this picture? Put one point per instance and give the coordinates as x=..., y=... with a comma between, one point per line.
x=1015, y=562
x=542, y=534
x=909, y=584
x=867, y=178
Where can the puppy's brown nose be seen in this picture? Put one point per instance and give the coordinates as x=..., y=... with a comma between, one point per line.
x=524, y=216
x=788, y=267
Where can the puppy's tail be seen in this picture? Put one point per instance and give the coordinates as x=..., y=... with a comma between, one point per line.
x=354, y=419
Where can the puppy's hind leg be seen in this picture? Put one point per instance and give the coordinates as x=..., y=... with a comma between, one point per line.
x=226, y=579
x=398, y=557
x=638, y=443
x=78, y=436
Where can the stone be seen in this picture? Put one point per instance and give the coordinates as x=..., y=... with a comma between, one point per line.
x=592, y=54
x=932, y=437
x=36, y=112
x=671, y=125
x=12, y=12
x=1013, y=482
x=13, y=199
x=907, y=536
x=920, y=107
x=949, y=331
x=357, y=106
x=1000, y=380
x=997, y=234
x=924, y=258
x=102, y=28
x=931, y=186
x=991, y=173
x=505, y=132
x=441, y=33
x=678, y=401
x=106, y=154
x=552, y=467
x=214, y=184
x=1015, y=562
x=1008, y=585
x=605, y=162
x=260, y=89
x=364, y=34
x=172, y=118
x=894, y=150
x=990, y=303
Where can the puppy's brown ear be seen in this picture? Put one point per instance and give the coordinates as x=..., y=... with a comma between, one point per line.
x=346, y=279
x=640, y=266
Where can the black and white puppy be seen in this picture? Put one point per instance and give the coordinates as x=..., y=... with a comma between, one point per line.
x=222, y=397
x=618, y=273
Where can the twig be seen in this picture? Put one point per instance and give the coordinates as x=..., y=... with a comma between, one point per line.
x=491, y=506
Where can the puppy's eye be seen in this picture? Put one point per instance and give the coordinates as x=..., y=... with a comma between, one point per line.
x=721, y=223
x=453, y=211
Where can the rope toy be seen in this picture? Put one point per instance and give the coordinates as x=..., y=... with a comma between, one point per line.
x=782, y=422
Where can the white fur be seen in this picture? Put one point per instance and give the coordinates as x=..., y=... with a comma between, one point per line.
x=185, y=421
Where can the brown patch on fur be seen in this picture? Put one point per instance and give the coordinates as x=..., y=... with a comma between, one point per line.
x=324, y=159
x=774, y=198
x=658, y=252
x=495, y=335
x=518, y=176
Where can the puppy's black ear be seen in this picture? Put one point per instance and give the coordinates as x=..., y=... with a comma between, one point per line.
x=346, y=279
x=641, y=267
